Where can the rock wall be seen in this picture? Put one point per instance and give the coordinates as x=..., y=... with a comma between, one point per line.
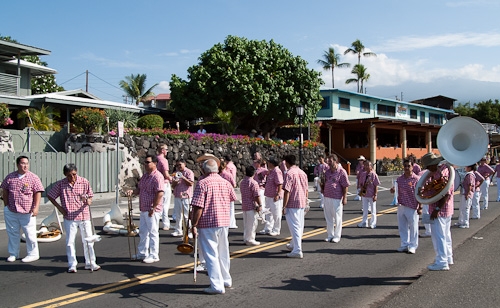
x=6, y=144
x=136, y=148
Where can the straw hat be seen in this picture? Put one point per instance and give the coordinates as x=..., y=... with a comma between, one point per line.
x=430, y=159
x=361, y=157
x=207, y=156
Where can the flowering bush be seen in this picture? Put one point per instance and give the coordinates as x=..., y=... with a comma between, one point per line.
x=89, y=119
x=5, y=115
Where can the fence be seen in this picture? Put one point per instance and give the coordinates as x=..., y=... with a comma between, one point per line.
x=99, y=168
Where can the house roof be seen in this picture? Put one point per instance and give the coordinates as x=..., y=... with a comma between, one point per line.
x=9, y=50
x=36, y=69
x=164, y=96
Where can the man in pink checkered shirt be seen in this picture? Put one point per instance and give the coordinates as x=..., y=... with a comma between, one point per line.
x=273, y=194
x=295, y=202
x=75, y=195
x=167, y=189
x=210, y=203
x=22, y=191
x=183, y=192
x=250, y=205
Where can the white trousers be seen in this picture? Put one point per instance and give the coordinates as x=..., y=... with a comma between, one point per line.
x=484, y=192
x=295, y=221
x=214, y=245
x=368, y=203
x=232, y=216
x=179, y=203
x=318, y=189
x=149, y=237
x=14, y=222
x=441, y=240
x=408, y=226
x=273, y=222
x=425, y=210
x=167, y=195
x=249, y=225
x=464, y=214
x=333, y=210
x=71, y=227
x=476, y=212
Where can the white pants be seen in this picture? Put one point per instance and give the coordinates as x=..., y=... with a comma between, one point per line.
x=232, y=216
x=318, y=189
x=333, y=210
x=273, y=223
x=441, y=240
x=149, y=237
x=368, y=203
x=295, y=221
x=249, y=225
x=476, y=212
x=71, y=227
x=14, y=222
x=215, y=249
x=484, y=192
x=464, y=214
x=178, y=205
x=425, y=210
x=408, y=226
x=167, y=195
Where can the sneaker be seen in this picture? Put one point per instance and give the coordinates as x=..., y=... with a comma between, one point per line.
x=373, y=227
x=425, y=235
x=252, y=243
x=464, y=226
x=321, y=206
x=228, y=286
x=450, y=261
x=138, y=257
x=412, y=250
x=176, y=234
x=166, y=228
x=72, y=269
x=436, y=267
x=190, y=235
x=11, y=259
x=335, y=240
x=151, y=259
x=295, y=255
x=289, y=247
x=93, y=267
x=233, y=227
x=263, y=232
x=212, y=291
x=272, y=233
x=201, y=268
x=402, y=249
x=30, y=259
x=362, y=225
x=328, y=239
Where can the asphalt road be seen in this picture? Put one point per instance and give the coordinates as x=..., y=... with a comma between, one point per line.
x=362, y=270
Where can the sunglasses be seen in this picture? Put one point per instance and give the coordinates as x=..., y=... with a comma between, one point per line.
x=147, y=162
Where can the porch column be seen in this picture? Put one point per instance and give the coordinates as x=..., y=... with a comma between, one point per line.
x=428, y=141
x=404, y=143
x=373, y=143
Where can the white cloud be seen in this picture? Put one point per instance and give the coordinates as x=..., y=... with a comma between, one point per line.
x=108, y=62
x=162, y=87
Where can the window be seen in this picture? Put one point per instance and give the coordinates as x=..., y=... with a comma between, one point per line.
x=435, y=118
x=422, y=116
x=385, y=110
x=413, y=114
x=344, y=103
x=364, y=107
x=325, y=103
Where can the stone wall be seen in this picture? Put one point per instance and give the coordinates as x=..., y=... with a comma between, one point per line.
x=6, y=144
x=136, y=148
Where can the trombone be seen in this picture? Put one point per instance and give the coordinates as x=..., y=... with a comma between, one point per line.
x=185, y=247
x=131, y=227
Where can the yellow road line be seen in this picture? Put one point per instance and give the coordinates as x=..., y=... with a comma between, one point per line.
x=128, y=283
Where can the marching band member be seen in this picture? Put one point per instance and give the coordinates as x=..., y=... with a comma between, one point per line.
x=273, y=194
x=22, y=191
x=183, y=192
x=486, y=171
x=210, y=222
x=467, y=193
x=319, y=171
x=250, y=204
x=228, y=176
x=167, y=190
x=359, y=169
x=368, y=186
x=479, y=179
x=335, y=191
x=150, y=191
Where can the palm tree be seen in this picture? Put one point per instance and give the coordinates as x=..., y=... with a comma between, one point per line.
x=360, y=71
x=358, y=48
x=330, y=61
x=135, y=87
x=43, y=119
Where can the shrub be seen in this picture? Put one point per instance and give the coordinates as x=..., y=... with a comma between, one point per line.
x=89, y=120
x=5, y=115
x=128, y=118
x=150, y=121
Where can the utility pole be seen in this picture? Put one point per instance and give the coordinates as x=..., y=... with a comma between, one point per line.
x=87, y=81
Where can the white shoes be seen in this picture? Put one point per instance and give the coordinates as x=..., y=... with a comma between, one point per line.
x=151, y=259
x=402, y=249
x=289, y=247
x=272, y=233
x=252, y=243
x=212, y=291
x=93, y=267
x=176, y=234
x=295, y=255
x=11, y=259
x=436, y=267
x=30, y=259
x=138, y=257
x=335, y=240
x=412, y=250
x=72, y=269
x=201, y=267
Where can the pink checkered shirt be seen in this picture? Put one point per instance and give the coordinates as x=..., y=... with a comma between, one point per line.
x=162, y=165
x=416, y=169
x=261, y=176
x=232, y=169
x=371, y=180
x=485, y=170
x=359, y=167
x=183, y=190
x=213, y=194
x=21, y=191
x=468, y=185
x=296, y=184
x=72, y=198
x=406, y=190
x=249, y=190
x=335, y=182
x=226, y=175
x=447, y=209
x=274, y=179
x=497, y=170
x=149, y=186
x=479, y=180
x=320, y=168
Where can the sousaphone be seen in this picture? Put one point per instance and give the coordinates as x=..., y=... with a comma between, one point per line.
x=462, y=142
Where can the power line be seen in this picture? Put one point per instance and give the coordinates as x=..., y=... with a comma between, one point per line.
x=71, y=79
x=105, y=81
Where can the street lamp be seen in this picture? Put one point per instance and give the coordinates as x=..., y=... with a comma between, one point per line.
x=300, y=113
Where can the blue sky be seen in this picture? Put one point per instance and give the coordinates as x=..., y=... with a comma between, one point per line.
x=425, y=48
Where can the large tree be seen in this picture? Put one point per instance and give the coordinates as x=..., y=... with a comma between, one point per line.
x=361, y=76
x=330, y=61
x=135, y=87
x=260, y=82
x=485, y=111
x=358, y=48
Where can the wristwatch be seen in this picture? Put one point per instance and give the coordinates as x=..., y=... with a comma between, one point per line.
x=437, y=208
